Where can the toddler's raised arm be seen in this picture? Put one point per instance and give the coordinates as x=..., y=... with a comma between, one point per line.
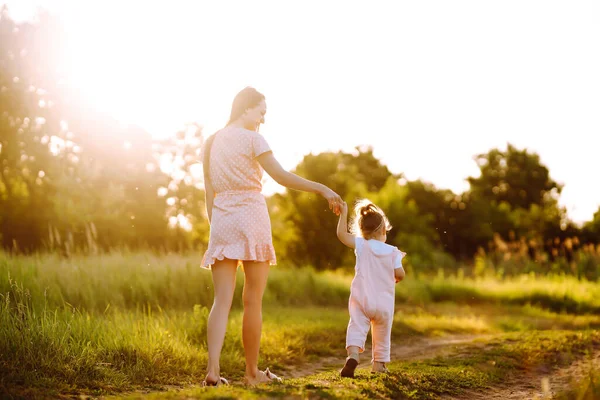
x=342, y=228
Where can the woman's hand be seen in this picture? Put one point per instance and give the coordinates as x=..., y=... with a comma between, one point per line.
x=334, y=199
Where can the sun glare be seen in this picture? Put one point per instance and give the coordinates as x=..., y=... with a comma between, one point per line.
x=124, y=65
x=336, y=86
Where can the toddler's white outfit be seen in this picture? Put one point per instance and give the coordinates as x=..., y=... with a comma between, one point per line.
x=372, y=295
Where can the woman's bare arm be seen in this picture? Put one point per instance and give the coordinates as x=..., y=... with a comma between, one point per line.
x=275, y=170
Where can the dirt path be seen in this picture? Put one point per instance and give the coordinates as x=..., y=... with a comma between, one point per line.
x=540, y=384
x=412, y=349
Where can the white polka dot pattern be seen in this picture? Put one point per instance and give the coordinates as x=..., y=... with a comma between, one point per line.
x=240, y=227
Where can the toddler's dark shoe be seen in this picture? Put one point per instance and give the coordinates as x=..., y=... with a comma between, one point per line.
x=349, y=367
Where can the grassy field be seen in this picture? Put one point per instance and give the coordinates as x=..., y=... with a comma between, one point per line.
x=135, y=324
x=476, y=368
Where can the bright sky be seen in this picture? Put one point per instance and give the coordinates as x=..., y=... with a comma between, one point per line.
x=428, y=84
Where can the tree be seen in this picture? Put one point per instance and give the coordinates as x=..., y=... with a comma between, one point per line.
x=26, y=128
x=413, y=230
x=591, y=229
x=456, y=218
x=69, y=176
x=522, y=197
x=514, y=176
x=179, y=158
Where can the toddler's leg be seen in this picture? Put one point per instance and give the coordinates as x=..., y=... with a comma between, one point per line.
x=351, y=362
x=358, y=327
x=381, y=336
x=356, y=335
x=353, y=352
x=379, y=367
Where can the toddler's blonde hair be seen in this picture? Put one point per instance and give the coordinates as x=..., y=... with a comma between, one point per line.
x=368, y=219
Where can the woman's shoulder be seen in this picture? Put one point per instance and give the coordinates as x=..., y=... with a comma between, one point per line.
x=235, y=134
x=240, y=130
x=242, y=133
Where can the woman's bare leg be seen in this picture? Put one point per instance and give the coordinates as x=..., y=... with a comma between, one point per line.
x=223, y=275
x=255, y=282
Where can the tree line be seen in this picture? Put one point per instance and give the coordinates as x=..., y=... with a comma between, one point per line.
x=73, y=179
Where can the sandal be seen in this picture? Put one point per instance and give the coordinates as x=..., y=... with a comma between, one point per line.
x=265, y=376
x=349, y=367
x=221, y=381
x=272, y=376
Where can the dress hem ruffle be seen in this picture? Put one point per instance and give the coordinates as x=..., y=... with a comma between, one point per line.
x=218, y=254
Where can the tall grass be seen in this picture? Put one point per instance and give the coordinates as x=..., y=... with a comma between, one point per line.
x=64, y=350
x=559, y=293
x=103, y=323
x=131, y=281
x=126, y=281
x=111, y=322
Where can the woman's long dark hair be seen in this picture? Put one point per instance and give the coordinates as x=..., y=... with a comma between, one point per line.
x=247, y=98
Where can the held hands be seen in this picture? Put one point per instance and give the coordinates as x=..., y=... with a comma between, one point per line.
x=344, y=208
x=334, y=200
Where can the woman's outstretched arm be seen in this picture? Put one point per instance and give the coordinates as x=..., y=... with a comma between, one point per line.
x=275, y=170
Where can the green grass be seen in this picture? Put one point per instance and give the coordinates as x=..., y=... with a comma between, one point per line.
x=124, y=322
x=560, y=293
x=126, y=281
x=69, y=352
x=442, y=318
x=474, y=368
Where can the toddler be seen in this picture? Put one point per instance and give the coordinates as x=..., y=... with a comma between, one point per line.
x=378, y=267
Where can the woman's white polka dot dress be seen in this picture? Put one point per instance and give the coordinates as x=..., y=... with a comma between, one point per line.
x=240, y=227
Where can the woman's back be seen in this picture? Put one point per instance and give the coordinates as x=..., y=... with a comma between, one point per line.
x=233, y=164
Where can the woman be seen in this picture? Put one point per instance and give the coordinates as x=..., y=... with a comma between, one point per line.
x=234, y=159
